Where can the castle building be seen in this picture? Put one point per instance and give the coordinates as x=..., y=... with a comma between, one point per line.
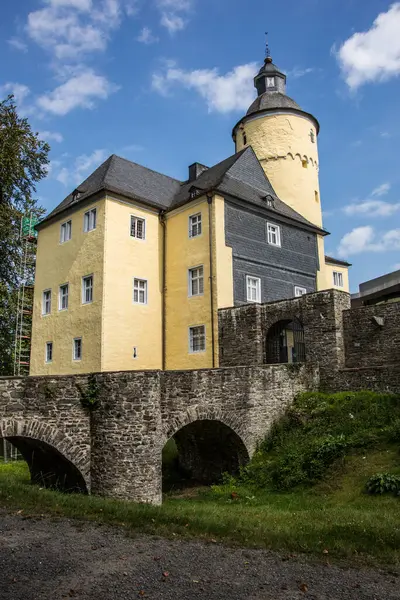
x=133, y=266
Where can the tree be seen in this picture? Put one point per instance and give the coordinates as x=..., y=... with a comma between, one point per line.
x=23, y=162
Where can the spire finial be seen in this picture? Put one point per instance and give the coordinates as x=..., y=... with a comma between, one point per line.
x=267, y=49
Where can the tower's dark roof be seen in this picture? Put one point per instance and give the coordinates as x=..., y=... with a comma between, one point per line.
x=271, y=100
x=240, y=176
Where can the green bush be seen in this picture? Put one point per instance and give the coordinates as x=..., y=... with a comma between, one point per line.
x=383, y=483
x=317, y=432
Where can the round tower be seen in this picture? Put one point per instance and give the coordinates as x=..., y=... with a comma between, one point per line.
x=284, y=139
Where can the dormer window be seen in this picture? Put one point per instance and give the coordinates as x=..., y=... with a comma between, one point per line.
x=270, y=82
x=270, y=201
x=194, y=192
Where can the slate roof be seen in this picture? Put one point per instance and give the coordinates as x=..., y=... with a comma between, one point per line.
x=271, y=100
x=336, y=261
x=241, y=176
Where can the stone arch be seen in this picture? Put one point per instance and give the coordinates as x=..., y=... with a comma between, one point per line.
x=209, y=443
x=284, y=341
x=53, y=458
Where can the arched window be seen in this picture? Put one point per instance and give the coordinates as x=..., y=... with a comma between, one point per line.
x=285, y=342
x=244, y=138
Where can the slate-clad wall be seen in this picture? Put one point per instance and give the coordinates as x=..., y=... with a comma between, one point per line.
x=280, y=268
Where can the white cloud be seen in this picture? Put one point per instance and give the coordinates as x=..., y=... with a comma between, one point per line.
x=396, y=267
x=174, y=14
x=222, y=93
x=79, y=169
x=381, y=190
x=366, y=239
x=18, y=90
x=18, y=44
x=385, y=134
x=51, y=136
x=373, y=55
x=297, y=72
x=79, y=91
x=131, y=7
x=146, y=36
x=372, y=208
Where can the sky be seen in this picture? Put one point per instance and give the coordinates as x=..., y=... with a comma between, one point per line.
x=162, y=83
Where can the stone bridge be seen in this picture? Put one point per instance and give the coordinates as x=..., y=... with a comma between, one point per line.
x=216, y=416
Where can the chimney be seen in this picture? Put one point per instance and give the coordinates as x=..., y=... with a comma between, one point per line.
x=195, y=170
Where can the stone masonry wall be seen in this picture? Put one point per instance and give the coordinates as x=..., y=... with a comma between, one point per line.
x=372, y=335
x=243, y=330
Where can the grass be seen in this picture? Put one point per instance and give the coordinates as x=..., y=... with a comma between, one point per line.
x=332, y=518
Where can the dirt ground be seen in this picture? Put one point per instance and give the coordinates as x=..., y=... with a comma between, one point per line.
x=45, y=559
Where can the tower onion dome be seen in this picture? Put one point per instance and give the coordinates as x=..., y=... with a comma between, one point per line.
x=270, y=84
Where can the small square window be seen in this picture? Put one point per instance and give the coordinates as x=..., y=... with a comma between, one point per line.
x=63, y=297
x=338, y=279
x=65, y=232
x=196, y=281
x=138, y=228
x=273, y=234
x=46, y=302
x=195, y=225
x=270, y=82
x=89, y=220
x=253, y=286
x=139, y=291
x=87, y=289
x=49, y=352
x=299, y=291
x=197, y=339
x=77, y=349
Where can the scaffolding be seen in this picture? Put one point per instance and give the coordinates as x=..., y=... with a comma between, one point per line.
x=26, y=277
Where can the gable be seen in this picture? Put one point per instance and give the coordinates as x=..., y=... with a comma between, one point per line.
x=248, y=170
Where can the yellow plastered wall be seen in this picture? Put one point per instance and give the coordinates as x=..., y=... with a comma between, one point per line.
x=328, y=282
x=283, y=145
x=182, y=311
x=127, y=325
x=58, y=264
x=222, y=257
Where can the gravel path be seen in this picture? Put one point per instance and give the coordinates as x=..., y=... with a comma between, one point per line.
x=43, y=559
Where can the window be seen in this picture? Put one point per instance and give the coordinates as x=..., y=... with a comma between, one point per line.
x=138, y=228
x=304, y=162
x=77, y=349
x=316, y=195
x=89, y=220
x=337, y=279
x=196, y=281
x=46, y=302
x=253, y=286
x=197, y=339
x=134, y=353
x=244, y=138
x=195, y=225
x=312, y=136
x=66, y=231
x=63, y=297
x=139, y=291
x=87, y=289
x=270, y=82
x=49, y=352
x=273, y=234
x=299, y=291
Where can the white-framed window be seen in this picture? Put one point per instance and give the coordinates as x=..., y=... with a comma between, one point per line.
x=196, y=281
x=270, y=82
x=253, y=289
x=195, y=225
x=77, y=349
x=89, y=220
x=65, y=231
x=337, y=278
x=63, y=297
x=49, y=352
x=87, y=289
x=273, y=234
x=299, y=291
x=138, y=228
x=139, y=291
x=197, y=339
x=46, y=302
